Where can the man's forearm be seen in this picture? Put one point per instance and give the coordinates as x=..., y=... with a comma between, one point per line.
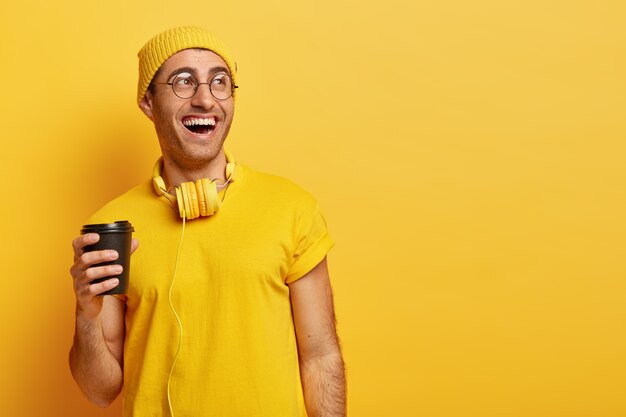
x=95, y=369
x=324, y=385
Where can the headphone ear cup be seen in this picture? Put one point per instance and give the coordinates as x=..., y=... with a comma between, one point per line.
x=193, y=201
x=210, y=195
x=189, y=201
x=201, y=197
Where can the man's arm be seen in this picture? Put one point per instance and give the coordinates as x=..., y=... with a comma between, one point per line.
x=96, y=356
x=321, y=364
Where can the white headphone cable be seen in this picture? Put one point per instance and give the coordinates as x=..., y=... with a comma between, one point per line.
x=180, y=325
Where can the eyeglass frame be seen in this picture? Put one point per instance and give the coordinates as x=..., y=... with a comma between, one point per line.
x=198, y=84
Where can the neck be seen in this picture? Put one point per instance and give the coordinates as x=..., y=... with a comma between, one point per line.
x=175, y=173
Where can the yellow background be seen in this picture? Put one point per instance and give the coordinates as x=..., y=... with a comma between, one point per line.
x=468, y=155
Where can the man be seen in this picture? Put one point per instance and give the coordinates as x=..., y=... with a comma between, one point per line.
x=230, y=314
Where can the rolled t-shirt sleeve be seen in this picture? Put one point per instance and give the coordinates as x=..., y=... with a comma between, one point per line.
x=312, y=244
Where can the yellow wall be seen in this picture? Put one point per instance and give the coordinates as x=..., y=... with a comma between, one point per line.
x=469, y=157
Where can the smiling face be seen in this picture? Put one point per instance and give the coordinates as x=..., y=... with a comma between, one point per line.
x=191, y=131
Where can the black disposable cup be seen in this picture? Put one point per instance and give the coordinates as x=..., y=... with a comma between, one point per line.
x=116, y=236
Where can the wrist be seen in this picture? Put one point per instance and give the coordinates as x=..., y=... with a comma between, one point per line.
x=87, y=315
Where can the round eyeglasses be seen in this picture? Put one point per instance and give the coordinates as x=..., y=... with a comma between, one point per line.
x=185, y=86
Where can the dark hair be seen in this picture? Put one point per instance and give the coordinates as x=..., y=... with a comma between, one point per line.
x=151, y=85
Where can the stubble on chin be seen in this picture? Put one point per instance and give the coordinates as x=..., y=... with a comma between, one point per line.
x=188, y=156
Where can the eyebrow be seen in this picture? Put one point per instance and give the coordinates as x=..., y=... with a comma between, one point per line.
x=212, y=71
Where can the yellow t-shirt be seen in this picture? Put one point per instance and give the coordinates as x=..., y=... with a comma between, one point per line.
x=238, y=354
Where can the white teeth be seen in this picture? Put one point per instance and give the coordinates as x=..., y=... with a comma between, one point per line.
x=194, y=121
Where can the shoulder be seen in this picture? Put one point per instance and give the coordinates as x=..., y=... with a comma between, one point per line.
x=277, y=188
x=124, y=205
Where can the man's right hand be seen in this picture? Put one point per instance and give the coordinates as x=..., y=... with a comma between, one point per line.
x=83, y=273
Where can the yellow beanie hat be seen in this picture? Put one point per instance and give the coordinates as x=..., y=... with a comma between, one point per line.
x=158, y=49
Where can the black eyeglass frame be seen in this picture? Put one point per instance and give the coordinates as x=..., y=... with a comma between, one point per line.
x=198, y=84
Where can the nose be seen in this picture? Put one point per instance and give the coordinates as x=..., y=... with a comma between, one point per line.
x=203, y=97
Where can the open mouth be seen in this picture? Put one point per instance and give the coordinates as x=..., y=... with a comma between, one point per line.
x=198, y=125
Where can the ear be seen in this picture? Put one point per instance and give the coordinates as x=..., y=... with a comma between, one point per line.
x=146, y=105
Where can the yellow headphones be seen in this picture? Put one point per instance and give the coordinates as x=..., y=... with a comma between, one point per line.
x=194, y=199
